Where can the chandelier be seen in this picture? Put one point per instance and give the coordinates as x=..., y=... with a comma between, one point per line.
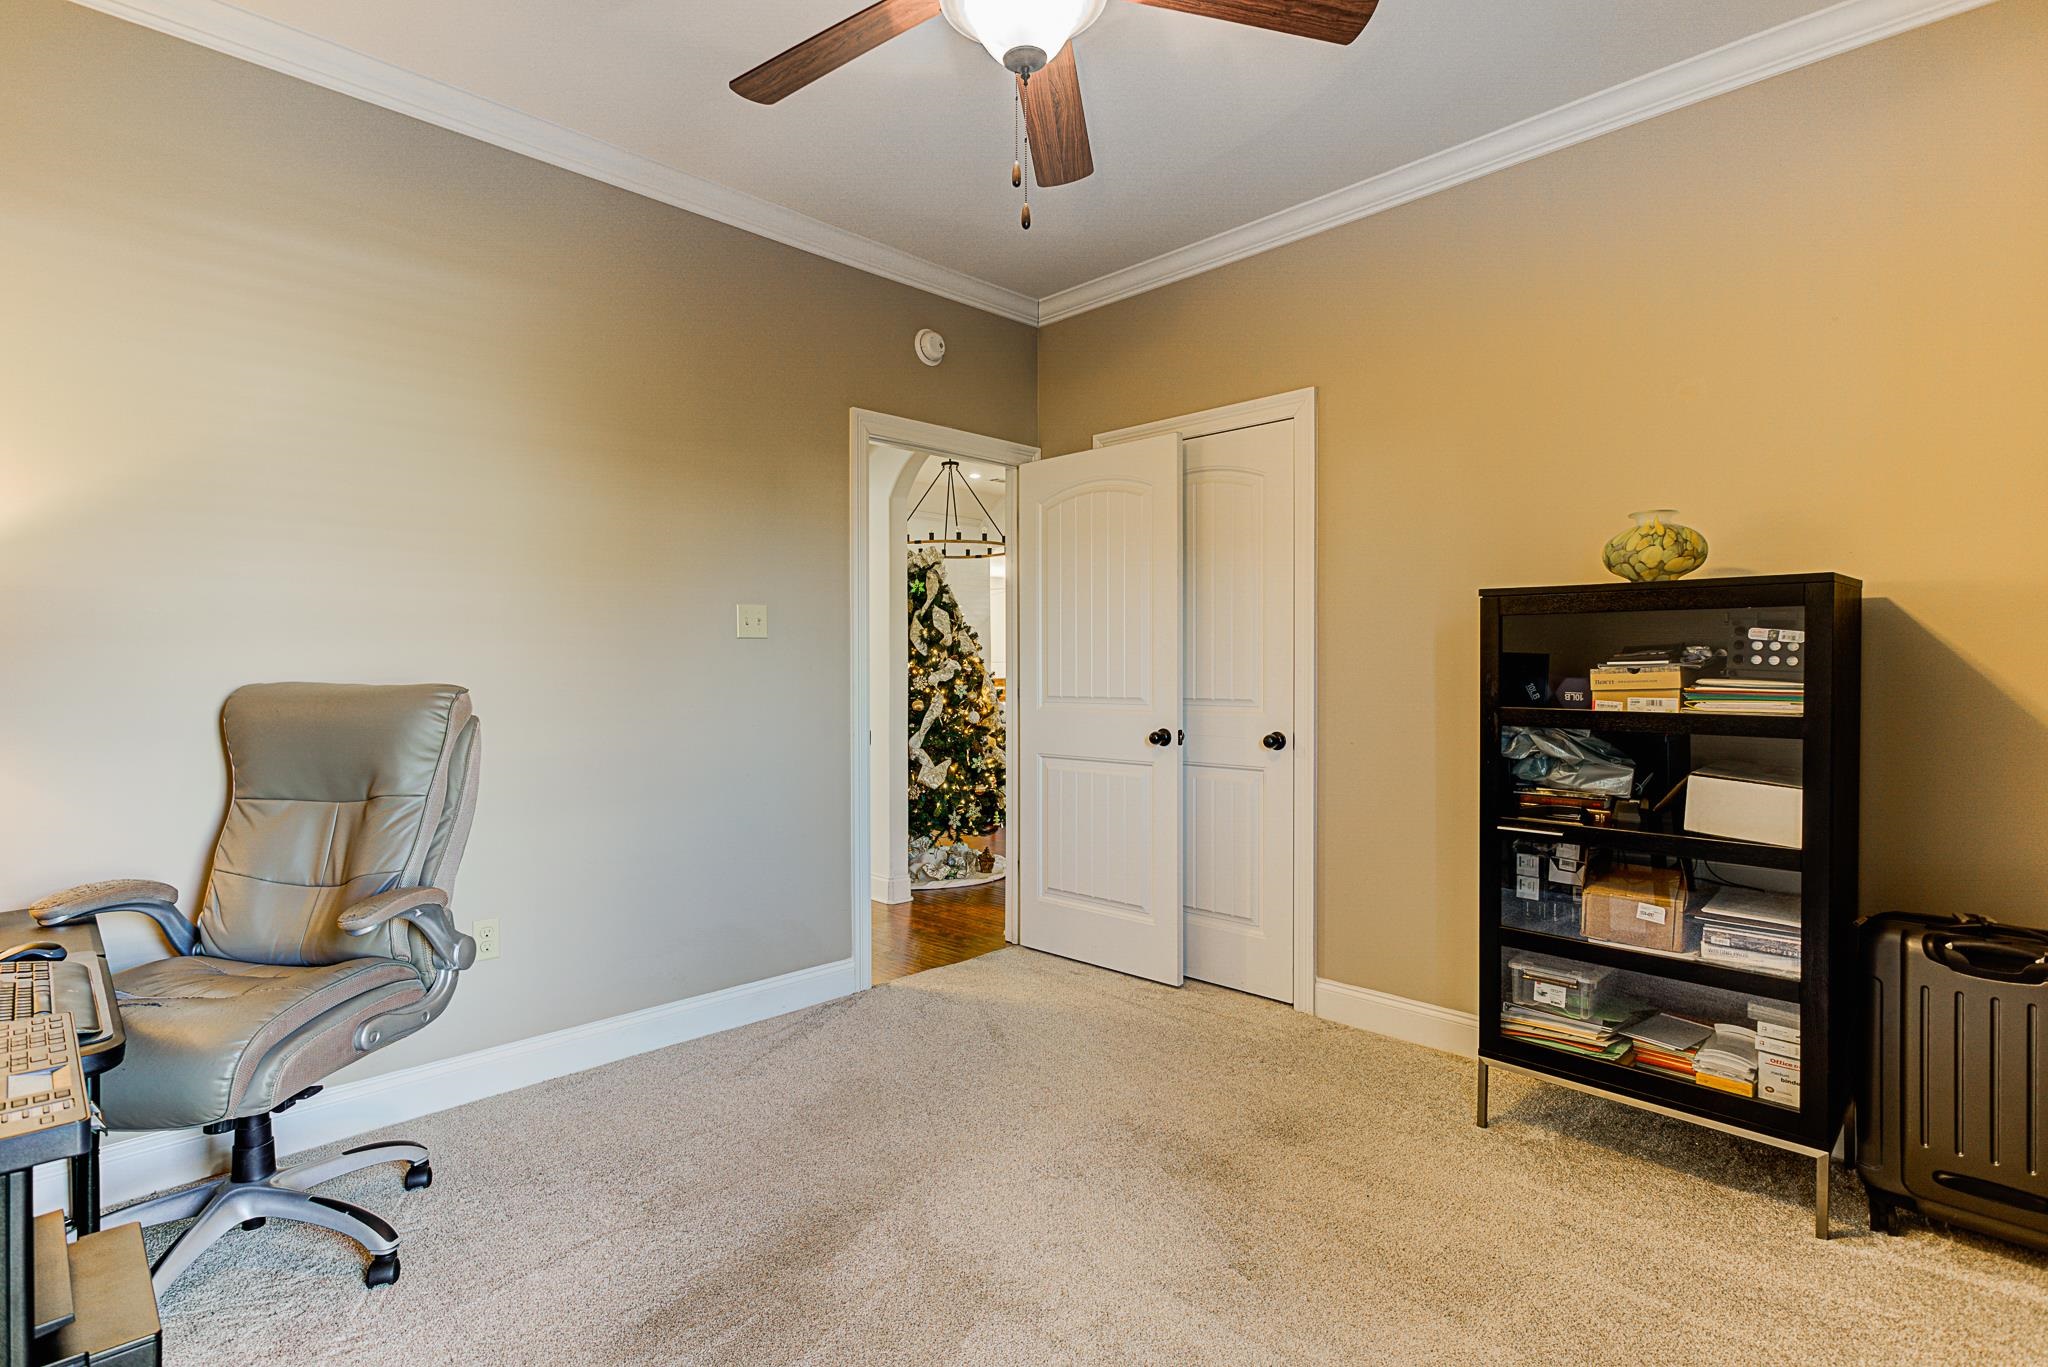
x=951, y=540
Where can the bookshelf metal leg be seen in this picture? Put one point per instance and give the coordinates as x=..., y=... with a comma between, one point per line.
x=1820, y=1196
x=1482, y=1094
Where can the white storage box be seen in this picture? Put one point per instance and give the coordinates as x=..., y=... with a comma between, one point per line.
x=1746, y=802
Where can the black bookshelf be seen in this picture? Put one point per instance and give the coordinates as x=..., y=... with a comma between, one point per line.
x=1575, y=626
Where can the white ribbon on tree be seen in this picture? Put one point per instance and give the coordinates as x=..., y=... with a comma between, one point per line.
x=931, y=773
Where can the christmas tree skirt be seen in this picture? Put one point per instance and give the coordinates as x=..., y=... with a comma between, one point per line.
x=951, y=864
x=971, y=881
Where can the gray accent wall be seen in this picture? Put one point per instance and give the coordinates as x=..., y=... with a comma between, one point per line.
x=292, y=387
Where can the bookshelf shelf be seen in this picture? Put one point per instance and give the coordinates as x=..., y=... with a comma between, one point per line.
x=1658, y=723
x=1691, y=970
x=1568, y=629
x=1672, y=1095
x=1636, y=840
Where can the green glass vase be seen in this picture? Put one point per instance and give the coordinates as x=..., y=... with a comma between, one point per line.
x=1657, y=547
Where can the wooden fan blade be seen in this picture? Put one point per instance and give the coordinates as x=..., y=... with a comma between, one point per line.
x=788, y=72
x=1328, y=21
x=1060, y=154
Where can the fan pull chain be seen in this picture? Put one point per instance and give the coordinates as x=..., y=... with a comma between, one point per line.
x=1027, y=182
x=1017, y=139
x=1020, y=169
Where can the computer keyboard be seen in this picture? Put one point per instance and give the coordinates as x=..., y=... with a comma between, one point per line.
x=44, y=1087
x=26, y=989
x=35, y=987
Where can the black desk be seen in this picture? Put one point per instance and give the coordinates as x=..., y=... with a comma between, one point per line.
x=88, y=1302
x=82, y=944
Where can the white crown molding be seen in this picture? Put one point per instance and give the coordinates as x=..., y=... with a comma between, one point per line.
x=282, y=48
x=143, y=1164
x=1799, y=42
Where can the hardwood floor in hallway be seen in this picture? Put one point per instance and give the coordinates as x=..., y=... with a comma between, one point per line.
x=937, y=928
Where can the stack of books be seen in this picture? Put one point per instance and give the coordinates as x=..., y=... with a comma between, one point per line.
x=1598, y=1038
x=1668, y=1044
x=1576, y=804
x=1751, y=928
x=1768, y=696
x=1727, y=1061
x=1777, y=1053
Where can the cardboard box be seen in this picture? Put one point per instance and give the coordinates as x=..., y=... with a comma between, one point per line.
x=1640, y=688
x=1652, y=678
x=1627, y=905
x=1746, y=802
x=1777, y=1080
x=1637, y=702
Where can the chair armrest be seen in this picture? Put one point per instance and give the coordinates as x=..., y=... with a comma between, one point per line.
x=425, y=910
x=157, y=901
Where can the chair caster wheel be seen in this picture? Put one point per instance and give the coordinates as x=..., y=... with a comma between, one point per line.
x=382, y=1271
x=257, y=1223
x=419, y=1176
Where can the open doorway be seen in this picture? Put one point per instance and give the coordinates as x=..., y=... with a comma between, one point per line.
x=933, y=639
x=953, y=729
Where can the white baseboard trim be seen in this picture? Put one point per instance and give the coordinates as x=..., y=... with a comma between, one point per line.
x=135, y=1167
x=889, y=889
x=1402, y=1018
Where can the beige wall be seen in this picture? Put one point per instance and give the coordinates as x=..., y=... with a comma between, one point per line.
x=293, y=387
x=1812, y=314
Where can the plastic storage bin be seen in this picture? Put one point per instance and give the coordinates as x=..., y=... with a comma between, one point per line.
x=1569, y=989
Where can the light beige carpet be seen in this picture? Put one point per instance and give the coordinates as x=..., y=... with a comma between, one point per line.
x=1022, y=1160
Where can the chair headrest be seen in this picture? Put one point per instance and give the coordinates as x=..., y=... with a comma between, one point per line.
x=325, y=742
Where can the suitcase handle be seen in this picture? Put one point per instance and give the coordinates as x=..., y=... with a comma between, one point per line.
x=1998, y=959
x=1996, y=1192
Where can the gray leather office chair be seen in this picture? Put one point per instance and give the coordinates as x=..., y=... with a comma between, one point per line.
x=324, y=935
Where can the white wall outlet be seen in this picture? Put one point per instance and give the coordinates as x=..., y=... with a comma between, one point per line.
x=753, y=619
x=486, y=935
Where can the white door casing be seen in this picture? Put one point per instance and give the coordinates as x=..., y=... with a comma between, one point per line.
x=1097, y=697
x=866, y=429
x=1239, y=624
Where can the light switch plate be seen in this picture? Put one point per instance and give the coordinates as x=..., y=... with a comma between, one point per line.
x=753, y=619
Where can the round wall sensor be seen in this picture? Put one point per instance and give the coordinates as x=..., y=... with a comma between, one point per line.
x=931, y=348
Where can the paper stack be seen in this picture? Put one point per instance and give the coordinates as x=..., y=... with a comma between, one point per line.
x=1668, y=1044
x=1587, y=1038
x=1727, y=1062
x=1768, y=696
x=1751, y=928
x=1777, y=1053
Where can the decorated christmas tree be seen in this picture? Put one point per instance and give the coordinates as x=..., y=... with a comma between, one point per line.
x=956, y=724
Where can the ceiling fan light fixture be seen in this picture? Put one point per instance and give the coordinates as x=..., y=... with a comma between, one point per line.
x=1022, y=34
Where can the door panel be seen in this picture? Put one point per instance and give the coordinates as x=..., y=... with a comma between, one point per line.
x=1222, y=869
x=1239, y=584
x=1098, y=835
x=1098, y=595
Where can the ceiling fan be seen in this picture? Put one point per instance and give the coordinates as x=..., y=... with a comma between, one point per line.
x=1033, y=39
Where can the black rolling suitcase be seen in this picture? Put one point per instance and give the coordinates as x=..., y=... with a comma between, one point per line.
x=1952, y=1115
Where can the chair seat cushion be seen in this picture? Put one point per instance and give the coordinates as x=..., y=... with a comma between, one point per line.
x=211, y=1039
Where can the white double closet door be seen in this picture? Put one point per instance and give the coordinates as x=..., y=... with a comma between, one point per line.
x=1154, y=694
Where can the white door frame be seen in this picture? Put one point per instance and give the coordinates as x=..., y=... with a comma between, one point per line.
x=1300, y=405
x=868, y=427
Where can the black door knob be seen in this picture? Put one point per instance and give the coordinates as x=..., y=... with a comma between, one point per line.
x=1161, y=737
x=1274, y=741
